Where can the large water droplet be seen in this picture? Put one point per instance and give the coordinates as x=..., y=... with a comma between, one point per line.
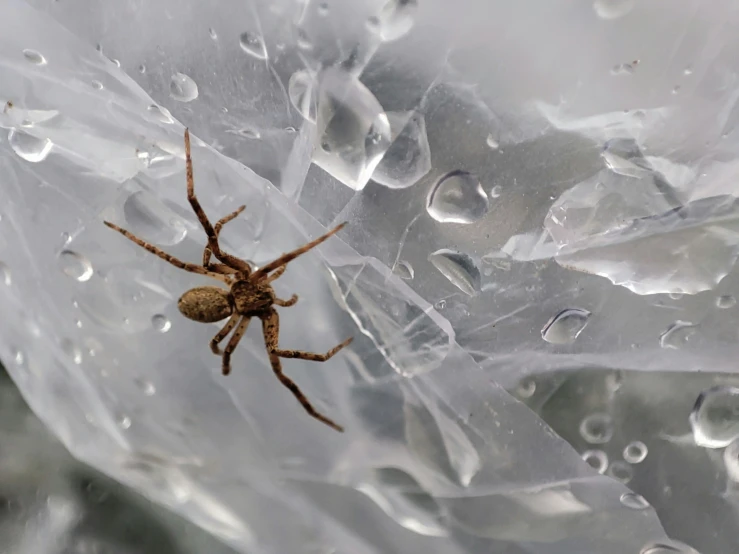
x=634, y=501
x=613, y=9
x=395, y=19
x=725, y=302
x=301, y=90
x=677, y=334
x=457, y=197
x=151, y=220
x=161, y=323
x=459, y=268
x=409, y=156
x=566, y=326
x=597, y=459
x=620, y=471
x=253, y=45
x=353, y=130
x=635, y=452
x=182, y=88
x=29, y=147
x=160, y=114
x=404, y=270
x=75, y=265
x=34, y=57
x=597, y=428
x=715, y=417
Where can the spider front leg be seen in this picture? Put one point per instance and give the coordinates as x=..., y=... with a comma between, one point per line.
x=192, y=268
x=219, y=225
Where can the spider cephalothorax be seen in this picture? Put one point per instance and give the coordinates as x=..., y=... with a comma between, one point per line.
x=249, y=294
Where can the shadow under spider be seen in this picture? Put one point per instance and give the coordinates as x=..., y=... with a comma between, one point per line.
x=249, y=295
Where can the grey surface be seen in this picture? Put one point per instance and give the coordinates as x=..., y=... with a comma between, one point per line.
x=602, y=237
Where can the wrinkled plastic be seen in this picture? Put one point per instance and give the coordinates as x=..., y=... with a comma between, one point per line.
x=450, y=297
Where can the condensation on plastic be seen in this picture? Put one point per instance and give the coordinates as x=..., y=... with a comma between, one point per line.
x=444, y=275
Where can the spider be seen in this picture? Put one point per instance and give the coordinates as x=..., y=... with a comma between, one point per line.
x=249, y=294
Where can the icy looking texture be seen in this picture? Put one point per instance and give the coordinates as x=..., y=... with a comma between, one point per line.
x=520, y=214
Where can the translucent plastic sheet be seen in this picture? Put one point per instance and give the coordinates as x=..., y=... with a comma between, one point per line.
x=484, y=181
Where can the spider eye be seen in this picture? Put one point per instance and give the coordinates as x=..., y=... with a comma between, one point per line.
x=205, y=304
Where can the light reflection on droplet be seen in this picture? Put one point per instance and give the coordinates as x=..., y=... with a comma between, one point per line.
x=161, y=323
x=27, y=146
x=566, y=326
x=457, y=197
x=634, y=501
x=75, y=265
x=34, y=57
x=635, y=452
x=459, y=268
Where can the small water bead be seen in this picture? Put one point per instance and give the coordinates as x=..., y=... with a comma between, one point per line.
x=97, y=85
x=5, y=275
x=492, y=142
x=620, y=471
x=18, y=357
x=457, y=197
x=634, y=501
x=673, y=547
x=182, y=88
x=323, y=9
x=30, y=148
x=302, y=41
x=635, y=452
x=597, y=428
x=71, y=350
x=613, y=9
x=440, y=305
x=715, y=417
x=116, y=62
x=460, y=269
x=34, y=57
x=253, y=45
x=496, y=191
x=142, y=68
x=688, y=71
x=597, y=459
x=125, y=422
x=526, y=388
x=566, y=326
x=212, y=33
x=677, y=334
x=725, y=302
x=675, y=89
x=147, y=387
x=161, y=323
x=75, y=265
x=404, y=270
x=160, y=114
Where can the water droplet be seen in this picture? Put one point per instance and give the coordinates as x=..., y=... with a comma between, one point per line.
x=597, y=428
x=496, y=191
x=409, y=156
x=34, y=57
x=566, y=326
x=715, y=417
x=116, y=62
x=161, y=323
x=71, y=350
x=212, y=33
x=160, y=114
x=75, y=265
x=182, y=88
x=634, y=501
x=404, y=270
x=142, y=68
x=18, y=357
x=148, y=218
x=613, y=9
x=675, y=89
x=662, y=548
x=620, y=471
x=597, y=459
x=677, y=334
x=457, y=197
x=459, y=268
x=5, y=275
x=440, y=305
x=353, y=128
x=300, y=90
x=302, y=40
x=125, y=422
x=253, y=45
x=725, y=302
x=97, y=85
x=29, y=147
x=395, y=19
x=246, y=132
x=323, y=9
x=147, y=387
x=731, y=461
x=635, y=452
x=688, y=71
x=492, y=142
x=526, y=388
x=676, y=295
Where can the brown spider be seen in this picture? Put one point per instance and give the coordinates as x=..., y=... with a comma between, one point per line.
x=250, y=294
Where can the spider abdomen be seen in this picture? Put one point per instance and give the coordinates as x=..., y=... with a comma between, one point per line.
x=205, y=304
x=249, y=298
